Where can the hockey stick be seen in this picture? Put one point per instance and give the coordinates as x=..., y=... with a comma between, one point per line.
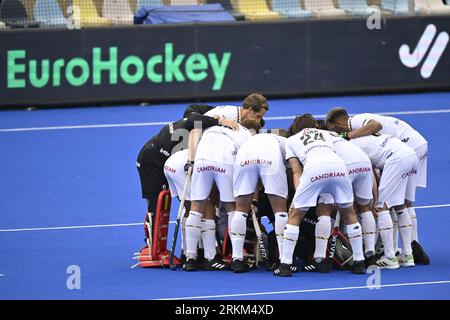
x=334, y=234
x=262, y=244
x=173, y=267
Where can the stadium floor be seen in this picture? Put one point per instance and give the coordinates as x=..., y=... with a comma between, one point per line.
x=70, y=195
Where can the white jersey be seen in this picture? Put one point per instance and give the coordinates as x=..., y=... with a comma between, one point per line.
x=267, y=142
x=392, y=126
x=312, y=146
x=261, y=157
x=348, y=151
x=226, y=112
x=381, y=147
x=220, y=144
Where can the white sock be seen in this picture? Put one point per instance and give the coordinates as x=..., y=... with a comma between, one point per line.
x=404, y=226
x=322, y=232
x=290, y=237
x=193, y=229
x=369, y=231
x=355, y=236
x=183, y=233
x=230, y=218
x=281, y=219
x=208, y=235
x=395, y=229
x=385, y=227
x=237, y=234
x=414, y=232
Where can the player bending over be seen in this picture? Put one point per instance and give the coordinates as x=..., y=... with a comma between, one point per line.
x=359, y=170
x=260, y=157
x=366, y=124
x=317, y=169
x=214, y=163
x=398, y=163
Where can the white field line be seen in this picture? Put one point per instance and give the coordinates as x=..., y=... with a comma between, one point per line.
x=141, y=124
x=309, y=290
x=140, y=223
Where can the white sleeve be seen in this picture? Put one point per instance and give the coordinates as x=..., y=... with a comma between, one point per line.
x=360, y=120
x=289, y=150
x=224, y=112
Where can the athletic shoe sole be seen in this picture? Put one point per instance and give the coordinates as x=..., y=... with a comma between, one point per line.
x=407, y=264
x=390, y=267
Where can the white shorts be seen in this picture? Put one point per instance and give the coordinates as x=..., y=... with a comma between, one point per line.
x=270, y=169
x=397, y=182
x=205, y=174
x=322, y=178
x=422, y=155
x=360, y=174
x=175, y=175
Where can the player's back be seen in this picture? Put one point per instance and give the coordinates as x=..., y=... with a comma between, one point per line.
x=381, y=147
x=220, y=144
x=391, y=126
x=348, y=151
x=312, y=146
x=264, y=143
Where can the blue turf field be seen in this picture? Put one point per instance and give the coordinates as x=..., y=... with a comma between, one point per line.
x=82, y=175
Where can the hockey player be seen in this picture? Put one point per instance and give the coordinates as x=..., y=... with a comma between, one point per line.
x=366, y=124
x=260, y=157
x=360, y=173
x=214, y=163
x=317, y=169
x=398, y=163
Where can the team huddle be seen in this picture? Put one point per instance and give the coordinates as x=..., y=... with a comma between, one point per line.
x=360, y=171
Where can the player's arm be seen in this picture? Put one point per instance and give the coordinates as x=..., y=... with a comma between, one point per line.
x=197, y=120
x=296, y=170
x=371, y=127
x=198, y=108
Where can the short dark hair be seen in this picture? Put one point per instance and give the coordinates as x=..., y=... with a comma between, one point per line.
x=302, y=122
x=278, y=131
x=251, y=124
x=321, y=124
x=256, y=102
x=334, y=114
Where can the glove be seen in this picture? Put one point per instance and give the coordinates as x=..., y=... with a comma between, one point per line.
x=189, y=164
x=344, y=135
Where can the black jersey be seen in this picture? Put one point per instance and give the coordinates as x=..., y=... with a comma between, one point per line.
x=165, y=141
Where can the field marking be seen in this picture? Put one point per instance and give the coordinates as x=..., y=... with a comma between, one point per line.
x=308, y=290
x=140, y=223
x=75, y=227
x=392, y=113
x=143, y=124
